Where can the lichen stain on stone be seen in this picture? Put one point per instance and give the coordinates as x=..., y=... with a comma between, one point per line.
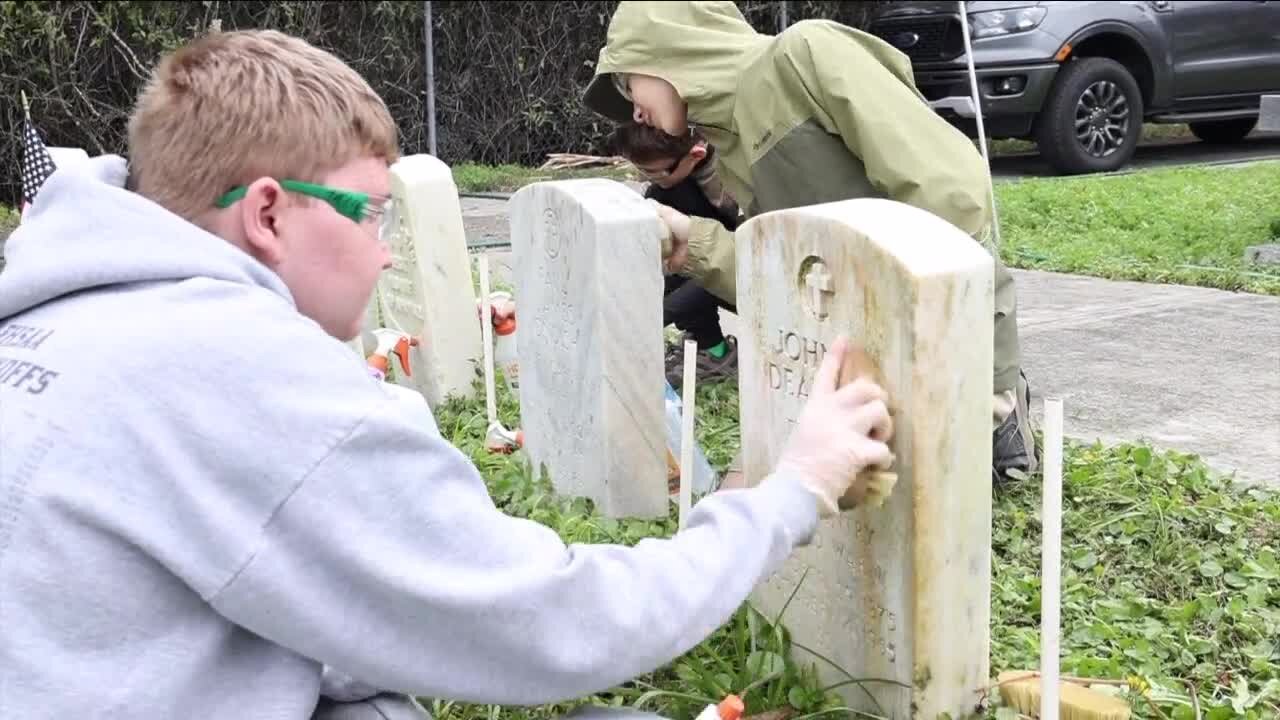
x=921, y=678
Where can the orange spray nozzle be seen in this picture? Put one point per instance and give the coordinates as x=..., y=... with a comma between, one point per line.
x=392, y=342
x=505, y=326
x=402, y=352
x=731, y=708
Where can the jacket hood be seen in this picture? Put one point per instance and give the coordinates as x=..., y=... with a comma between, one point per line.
x=85, y=232
x=698, y=47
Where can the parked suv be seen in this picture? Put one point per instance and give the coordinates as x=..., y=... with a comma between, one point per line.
x=1080, y=78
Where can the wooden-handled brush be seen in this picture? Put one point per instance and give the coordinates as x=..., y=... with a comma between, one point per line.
x=1047, y=694
x=872, y=485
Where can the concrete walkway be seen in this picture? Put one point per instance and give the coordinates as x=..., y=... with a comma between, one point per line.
x=1185, y=368
x=1180, y=367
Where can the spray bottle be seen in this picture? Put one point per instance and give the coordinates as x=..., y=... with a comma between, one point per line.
x=504, y=341
x=703, y=475
x=504, y=353
x=398, y=343
x=730, y=708
x=390, y=341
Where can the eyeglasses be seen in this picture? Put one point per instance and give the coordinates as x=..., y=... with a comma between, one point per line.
x=357, y=206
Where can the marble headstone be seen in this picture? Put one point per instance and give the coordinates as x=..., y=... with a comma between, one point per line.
x=429, y=292
x=588, y=280
x=897, y=592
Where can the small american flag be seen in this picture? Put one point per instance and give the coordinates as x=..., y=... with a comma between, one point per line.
x=37, y=163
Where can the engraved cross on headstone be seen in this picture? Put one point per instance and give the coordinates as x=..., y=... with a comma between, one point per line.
x=819, y=282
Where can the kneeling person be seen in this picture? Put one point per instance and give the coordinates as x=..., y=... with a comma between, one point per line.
x=682, y=174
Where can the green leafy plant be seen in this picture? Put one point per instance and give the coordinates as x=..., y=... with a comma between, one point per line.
x=1171, y=578
x=475, y=178
x=1169, y=573
x=508, y=76
x=1186, y=225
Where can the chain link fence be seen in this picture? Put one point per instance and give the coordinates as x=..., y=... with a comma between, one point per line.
x=507, y=77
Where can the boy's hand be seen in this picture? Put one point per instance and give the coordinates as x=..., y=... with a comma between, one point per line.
x=675, y=244
x=840, y=433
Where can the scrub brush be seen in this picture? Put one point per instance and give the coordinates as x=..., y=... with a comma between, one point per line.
x=872, y=485
x=1021, y=691
x=1045, y=694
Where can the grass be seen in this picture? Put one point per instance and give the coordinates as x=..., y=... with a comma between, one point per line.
x=8, y=221
x=1151, y=134
x=1170, y=576
x=1187, y=225
x=473, y=177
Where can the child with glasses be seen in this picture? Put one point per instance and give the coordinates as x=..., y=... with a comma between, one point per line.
x=211, y=510
x=681, y=171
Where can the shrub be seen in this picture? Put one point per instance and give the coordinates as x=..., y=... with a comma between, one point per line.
x=508, y=75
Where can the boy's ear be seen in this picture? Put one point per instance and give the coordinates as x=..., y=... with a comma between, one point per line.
x=259, y=214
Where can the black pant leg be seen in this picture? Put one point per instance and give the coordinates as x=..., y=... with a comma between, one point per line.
x=693, y=310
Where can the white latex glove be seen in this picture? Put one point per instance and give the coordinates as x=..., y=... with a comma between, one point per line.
x=839, y=433
x=675, y=240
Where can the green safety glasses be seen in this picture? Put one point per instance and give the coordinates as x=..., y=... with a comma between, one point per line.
x=355, y=205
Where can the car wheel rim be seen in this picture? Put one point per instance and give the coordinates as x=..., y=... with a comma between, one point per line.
x=1102, y=119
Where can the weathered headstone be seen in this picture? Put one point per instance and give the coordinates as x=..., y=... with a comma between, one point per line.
x=898, y=592
x=588, y=279
x=429, y=292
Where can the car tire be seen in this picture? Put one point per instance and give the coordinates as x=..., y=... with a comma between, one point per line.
x=1102, y=94
x=1223, y=132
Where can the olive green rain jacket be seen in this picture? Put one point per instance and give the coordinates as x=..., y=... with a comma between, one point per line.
x=818, y=113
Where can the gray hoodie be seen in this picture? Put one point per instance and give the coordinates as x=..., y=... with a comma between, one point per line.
x=205, y=501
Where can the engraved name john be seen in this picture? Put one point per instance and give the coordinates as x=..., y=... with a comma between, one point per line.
x=795, y=361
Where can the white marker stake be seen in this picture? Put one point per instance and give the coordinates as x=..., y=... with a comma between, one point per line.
x=686, y=430
x=1051, y=559
x=486, y=326
x=977, y=114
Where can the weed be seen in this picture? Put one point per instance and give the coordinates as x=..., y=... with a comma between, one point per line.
x=1182, y=225
x=1170, y=574
x=471, y=177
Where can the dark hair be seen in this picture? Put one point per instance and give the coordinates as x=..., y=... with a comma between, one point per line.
x=642, y=143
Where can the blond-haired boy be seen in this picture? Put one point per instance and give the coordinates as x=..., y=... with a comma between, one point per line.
x=211, y=510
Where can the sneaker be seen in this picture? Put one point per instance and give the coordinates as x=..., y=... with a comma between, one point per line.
x=707, y=368
x=1014, y=452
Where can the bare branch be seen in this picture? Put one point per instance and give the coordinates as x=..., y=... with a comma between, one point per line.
x=509, y=75
x=130, y=59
